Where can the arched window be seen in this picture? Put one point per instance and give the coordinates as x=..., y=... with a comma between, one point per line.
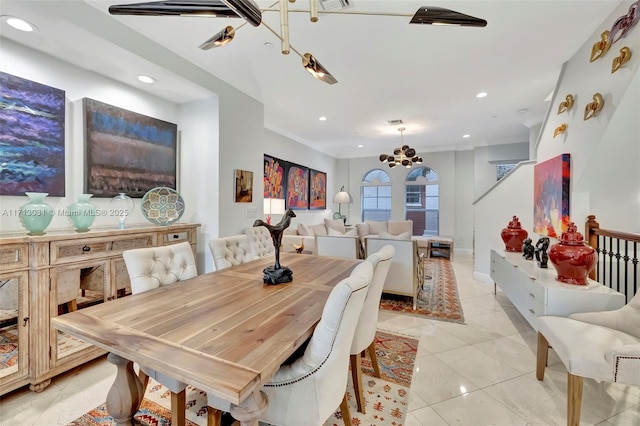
x=375, y=195
x=422, y=201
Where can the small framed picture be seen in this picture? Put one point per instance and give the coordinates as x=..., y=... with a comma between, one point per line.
x=244, y=186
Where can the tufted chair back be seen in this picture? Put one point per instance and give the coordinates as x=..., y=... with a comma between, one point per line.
x=307, y=391
x=261, y=241
x=231, y=251
x=153, y=267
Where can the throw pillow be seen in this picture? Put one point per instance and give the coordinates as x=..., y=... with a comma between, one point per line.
x=376, y=227
x=350, y=233
x=336, y=224
x=396, y=227
x=387, y=236
x=363, y=229
x=318, y=229
x=303, y=230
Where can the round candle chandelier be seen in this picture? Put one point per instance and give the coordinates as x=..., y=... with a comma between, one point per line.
x=403, y=156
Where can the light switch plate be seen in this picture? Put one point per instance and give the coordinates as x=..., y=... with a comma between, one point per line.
x=252, y=212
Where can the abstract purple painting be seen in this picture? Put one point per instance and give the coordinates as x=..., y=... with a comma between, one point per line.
x=551, y=190
x=297, y=187
x=31, y=137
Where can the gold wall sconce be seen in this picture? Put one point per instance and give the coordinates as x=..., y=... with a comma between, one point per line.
x=560, y=129
x=593, y=108
x=566, y=104
x=600, y=47
x=621, y=59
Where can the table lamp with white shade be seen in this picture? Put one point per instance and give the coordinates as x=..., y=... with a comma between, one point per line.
x=273, y=206
x=342, y=197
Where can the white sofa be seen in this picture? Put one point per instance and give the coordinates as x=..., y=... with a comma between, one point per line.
x=299, y=234
x=335, y=246
x=406, y=273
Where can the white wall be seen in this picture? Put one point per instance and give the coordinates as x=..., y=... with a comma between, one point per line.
x=463, y=215
x=590, y=144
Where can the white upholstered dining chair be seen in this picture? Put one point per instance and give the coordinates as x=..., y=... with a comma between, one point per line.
x=364, y=337
x=150, y=268
x=261, y=241
x=307, y=391
x=604, y=346
x=229, y=251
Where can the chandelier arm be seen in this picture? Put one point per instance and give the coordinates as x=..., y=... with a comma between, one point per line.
x=342, y=12
x=313, y=10
x=233, y=31
x=284, y=26
x=275, y=33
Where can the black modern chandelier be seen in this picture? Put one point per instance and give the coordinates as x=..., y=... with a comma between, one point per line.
x=403, y=156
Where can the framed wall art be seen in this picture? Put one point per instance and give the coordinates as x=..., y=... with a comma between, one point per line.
x=273, y=181
x=243, y=186
x=126, y=151
x=551, y=189
x=297, y=183
x=317, y=190
x=32, y=124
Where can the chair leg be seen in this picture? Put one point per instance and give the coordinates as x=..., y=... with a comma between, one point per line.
x=374, y=359
x=543, y=353
x=574, y=399
x=214, y=416
x=178, y=406
x=356, y=376
x=344, y=409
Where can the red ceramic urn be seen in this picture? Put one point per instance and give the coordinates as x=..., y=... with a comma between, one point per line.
x=572, y=258
x=513, y=236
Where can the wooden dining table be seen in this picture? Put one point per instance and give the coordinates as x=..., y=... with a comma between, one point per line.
x=225, y=333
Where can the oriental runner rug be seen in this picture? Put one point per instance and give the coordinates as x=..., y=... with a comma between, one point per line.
x=438, y=299
x=386, y=398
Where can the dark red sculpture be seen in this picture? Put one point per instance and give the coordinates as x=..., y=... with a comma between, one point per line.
x=513, y=236
x=572, y=258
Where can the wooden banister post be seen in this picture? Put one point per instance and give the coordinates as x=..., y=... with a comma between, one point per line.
x=591, y=237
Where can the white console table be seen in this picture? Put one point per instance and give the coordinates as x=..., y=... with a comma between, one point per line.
x=534, y=291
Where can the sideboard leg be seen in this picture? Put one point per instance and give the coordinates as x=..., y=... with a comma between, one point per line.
x=125, y=395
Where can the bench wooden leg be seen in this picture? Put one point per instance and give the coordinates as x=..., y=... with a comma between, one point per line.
x=543, y=353
x=574, y=399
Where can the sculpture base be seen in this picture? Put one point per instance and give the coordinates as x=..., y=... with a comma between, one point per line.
x=277, y=276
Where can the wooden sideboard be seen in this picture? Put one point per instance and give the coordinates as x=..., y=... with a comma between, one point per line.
x=534, y=291
x=44, y=276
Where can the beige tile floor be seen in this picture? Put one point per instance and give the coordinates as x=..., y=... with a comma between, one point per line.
x=481, y=373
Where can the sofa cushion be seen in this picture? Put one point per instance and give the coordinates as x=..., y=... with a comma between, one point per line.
x=376, y=227
x=396, y=227
x=363, y=229
x=402, y=236
x=318, y=229
x=350, y=233
x=335, y=224
x=304, y=230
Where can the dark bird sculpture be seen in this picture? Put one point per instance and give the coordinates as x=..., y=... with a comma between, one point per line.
x=277, y=274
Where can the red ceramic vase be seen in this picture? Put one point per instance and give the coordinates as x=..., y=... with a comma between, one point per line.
x=513, y=236
x=572, y=258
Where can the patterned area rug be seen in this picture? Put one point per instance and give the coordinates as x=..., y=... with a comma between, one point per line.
x=438, y=299
x=386, y=399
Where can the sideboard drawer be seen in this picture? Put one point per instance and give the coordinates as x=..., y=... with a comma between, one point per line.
x=73, y=251
x=14, y=256
x=178, y=236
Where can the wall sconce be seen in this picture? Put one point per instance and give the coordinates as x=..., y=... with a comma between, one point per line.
x=560, y=129
x=566, y=104
x=593, y=108
x=621, y=59
x=272, y=206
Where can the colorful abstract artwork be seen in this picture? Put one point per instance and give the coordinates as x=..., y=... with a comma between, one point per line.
x=32, y=123
x=297, y=187
x=273, y=177
x=551, y=191
x=244, y=186
x=126, y=151
x=317, y=190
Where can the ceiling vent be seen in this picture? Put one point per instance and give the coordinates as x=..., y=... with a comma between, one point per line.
x=395, y=122
x=335, y=4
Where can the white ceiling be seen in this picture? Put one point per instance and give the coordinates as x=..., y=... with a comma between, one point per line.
x=386, y=69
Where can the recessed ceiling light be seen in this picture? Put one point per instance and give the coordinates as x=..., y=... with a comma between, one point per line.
x=481, y=95
x=20, y=24
x=360, y=146
x=268, y=45
x=146, y=79
x=466, y=136
x=522, y=110
x=323, y=118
